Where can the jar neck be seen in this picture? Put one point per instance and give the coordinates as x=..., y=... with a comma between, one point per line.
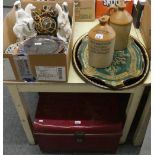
x=121, y=6
x=103, y=24
x=121, y=9
x=104, y=20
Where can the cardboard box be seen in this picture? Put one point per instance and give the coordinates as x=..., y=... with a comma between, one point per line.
x=84, y=10
x=102, y=6
x=43, y=67
x=145, y=27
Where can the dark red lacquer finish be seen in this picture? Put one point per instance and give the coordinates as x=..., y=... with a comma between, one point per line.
x=77, y=122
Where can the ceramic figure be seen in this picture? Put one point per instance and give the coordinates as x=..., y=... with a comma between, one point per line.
x=24, y=27
x=64, y=26
x=28, y=9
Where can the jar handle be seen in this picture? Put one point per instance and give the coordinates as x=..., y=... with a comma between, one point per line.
x=112, y=9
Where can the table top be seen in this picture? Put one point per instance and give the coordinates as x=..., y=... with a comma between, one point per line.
x=81, y=28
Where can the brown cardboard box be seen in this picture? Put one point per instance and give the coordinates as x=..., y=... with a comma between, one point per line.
x=9, y=38
x=84, y=10
x=43, y=67
x=145, y=27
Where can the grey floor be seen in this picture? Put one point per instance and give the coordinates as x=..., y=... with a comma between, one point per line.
x=8, y=2
x=14, y=139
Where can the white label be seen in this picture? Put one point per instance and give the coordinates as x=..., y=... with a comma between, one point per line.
x=8, y=73
x=41, y=121
x=77, y=122
x=99, y=36
x=115, y=2
x=37, y=43
x=110, y=2
x=48, y=73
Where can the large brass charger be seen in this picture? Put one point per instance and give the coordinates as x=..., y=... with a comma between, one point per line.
x=128, y=69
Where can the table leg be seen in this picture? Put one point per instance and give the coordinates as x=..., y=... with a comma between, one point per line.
x=143, y=123
x=132, y=106
x=23, y=114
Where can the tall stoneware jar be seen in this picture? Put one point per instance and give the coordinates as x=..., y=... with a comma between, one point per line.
x=101, y=41
x=121, y=21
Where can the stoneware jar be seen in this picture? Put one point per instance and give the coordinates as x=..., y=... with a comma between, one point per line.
x=121, y=21
x=101, y=40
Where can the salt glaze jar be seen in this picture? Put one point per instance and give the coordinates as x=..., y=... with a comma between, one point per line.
x=121, y=21
x=101, y=41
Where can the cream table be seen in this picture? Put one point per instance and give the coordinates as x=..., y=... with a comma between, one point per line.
x=74, y=84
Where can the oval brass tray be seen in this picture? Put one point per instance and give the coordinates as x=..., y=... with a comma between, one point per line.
x=128, y=69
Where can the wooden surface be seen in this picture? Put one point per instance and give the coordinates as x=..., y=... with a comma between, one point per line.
x=143, y=123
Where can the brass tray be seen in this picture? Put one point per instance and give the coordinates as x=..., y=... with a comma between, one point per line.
x=129, y=67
